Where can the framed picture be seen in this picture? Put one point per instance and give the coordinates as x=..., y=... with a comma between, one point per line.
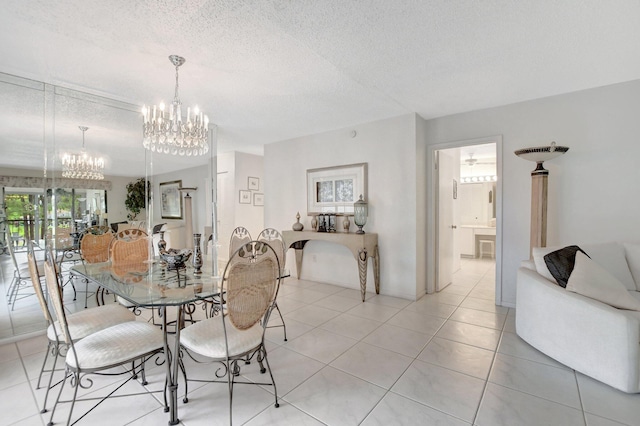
x=245, y=196
x=171, y=200
x=335, y=189
x=455, y=189
x=258, y=199
x=253, y=184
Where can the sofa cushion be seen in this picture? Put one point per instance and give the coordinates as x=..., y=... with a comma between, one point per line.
x=561, y=262
x=592, y=280
x=632, y=251
x=611, y=256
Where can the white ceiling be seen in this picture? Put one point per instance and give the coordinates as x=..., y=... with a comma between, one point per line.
x=268, y=70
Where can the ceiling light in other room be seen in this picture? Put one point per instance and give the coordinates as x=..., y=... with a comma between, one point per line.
x=82, y=165
x=168, y=133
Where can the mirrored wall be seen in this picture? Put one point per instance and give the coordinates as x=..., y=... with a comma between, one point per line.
x=39, y=125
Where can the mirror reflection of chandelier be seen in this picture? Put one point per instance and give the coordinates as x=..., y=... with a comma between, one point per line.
x=82, y=165
x=167, y=132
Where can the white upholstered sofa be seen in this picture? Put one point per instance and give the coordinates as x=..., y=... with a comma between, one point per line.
x=584, y=333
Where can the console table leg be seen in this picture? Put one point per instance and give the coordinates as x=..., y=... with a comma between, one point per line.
x=376, y=269
x=362, y=270
x=299, y=253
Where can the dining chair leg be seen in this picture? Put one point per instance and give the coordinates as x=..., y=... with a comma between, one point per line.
x=76, y=379
x=10, y=289
x=284, y=326
x=273, y=382
x=55, y=405
x=230, y=380
x=53, y=347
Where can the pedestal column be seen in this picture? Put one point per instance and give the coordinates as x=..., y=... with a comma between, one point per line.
x=188, y=217
x=539, y=187
x=188, y=222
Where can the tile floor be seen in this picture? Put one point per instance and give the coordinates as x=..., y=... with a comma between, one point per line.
x=451, y=358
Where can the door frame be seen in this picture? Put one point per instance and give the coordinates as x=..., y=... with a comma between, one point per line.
x=432, y=202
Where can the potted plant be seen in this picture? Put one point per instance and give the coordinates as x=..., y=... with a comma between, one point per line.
x=137, y=197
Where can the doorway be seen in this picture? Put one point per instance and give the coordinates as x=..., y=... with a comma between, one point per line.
x=466, y=211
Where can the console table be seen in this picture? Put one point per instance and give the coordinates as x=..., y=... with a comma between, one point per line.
x=363, y=247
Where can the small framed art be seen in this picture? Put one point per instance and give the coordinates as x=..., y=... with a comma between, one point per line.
x=253, y=183
x=245, y=196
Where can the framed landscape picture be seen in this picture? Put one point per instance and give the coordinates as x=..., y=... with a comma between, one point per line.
x=171, y=200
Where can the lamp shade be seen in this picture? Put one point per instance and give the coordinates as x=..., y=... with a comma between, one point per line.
x=360, y=212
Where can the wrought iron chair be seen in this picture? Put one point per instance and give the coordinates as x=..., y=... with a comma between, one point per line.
x=124, y=252
x=131, y=234
x=94, y=248
x=274, y=238
x=19, y=287
x=129, y=345
x=239, y=237
x=129, y=256
x=250, y=284
x=67, y=244
x=81, y=324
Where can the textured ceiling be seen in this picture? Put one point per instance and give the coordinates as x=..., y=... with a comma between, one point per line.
x=277, y=69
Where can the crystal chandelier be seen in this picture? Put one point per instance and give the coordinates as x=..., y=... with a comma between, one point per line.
x=168, y=133
x=82, y=165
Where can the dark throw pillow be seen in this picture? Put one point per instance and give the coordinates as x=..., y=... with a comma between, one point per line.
x=157, y=228
x=561, y=263
x=114, y=226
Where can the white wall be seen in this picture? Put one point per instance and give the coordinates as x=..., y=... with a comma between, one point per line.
x=115, y=199
x=389, y=148
x=248, y=215
x=592, y=196
x=234, y=169
x=195, y=177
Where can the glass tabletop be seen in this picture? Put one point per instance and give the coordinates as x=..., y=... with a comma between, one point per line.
x=152, y=283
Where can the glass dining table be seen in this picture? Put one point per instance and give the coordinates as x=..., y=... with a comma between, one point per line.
x=151, y=284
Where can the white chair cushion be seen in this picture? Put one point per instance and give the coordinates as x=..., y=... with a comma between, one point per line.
x=207, y=338
x=88, y=321
x=592, y=280
x=116, y=345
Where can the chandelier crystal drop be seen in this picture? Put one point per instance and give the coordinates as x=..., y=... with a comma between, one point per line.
x=82, y=165
x=168, y=132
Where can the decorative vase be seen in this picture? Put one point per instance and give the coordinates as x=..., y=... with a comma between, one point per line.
x=162, y=244
x=297, y=226
x=346, y=223
x=314, y=223
x=197, y=254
